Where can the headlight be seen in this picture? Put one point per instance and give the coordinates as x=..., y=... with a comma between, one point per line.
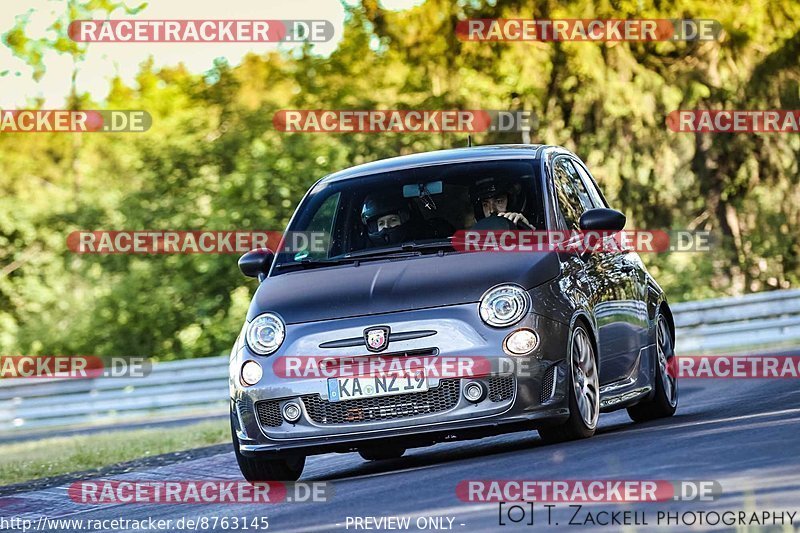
x=504, y=305
x=265, y=334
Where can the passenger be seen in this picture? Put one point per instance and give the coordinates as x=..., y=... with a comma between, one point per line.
x=387, y=219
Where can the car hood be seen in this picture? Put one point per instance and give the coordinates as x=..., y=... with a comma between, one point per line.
x=386, y=286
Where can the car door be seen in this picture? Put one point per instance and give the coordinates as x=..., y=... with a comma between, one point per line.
x=605, y=278
x=634, y=283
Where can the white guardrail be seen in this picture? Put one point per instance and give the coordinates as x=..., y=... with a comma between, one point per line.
x=199, y=387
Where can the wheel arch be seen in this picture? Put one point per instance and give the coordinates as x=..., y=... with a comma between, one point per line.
x=663, y=308
x=583, y=318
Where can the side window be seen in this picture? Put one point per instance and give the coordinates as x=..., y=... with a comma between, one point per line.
x=597, y=198
x=573, y=199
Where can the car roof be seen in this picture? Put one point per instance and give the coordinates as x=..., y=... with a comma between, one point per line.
x=497, y=151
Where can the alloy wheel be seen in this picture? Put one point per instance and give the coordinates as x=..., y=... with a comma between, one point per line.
x=585, y=380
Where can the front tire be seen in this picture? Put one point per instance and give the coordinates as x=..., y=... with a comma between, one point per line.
x=583, y=389
x=256, y=469
x=665, y=400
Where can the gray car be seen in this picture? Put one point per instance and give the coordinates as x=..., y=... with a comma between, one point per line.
x=554, y=337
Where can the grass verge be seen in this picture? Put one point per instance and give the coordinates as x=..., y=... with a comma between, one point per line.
x=28, y=460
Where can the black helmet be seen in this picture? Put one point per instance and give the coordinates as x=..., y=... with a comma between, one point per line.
x=486, y=188
x=376, y=206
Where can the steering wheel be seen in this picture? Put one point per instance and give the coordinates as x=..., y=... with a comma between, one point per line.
x=494, y=223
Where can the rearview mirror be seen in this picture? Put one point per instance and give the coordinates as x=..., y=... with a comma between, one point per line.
x=418, y=190
x=602, y=219
x=256, y=263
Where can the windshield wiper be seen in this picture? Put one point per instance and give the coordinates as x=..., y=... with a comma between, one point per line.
x=409, y=248
x=314, y=263
x=438, y=245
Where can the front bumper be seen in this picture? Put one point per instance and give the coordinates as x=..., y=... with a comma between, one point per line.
x=523, y=392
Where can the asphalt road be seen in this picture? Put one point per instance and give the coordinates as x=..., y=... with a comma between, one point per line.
x=745, y=434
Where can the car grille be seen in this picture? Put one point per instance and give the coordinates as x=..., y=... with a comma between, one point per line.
x=501, y=388
x=442, y=398
x=547, y=384
x=269, y=413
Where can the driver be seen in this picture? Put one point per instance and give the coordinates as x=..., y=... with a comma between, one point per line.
x=493, y=196
x=386, y=219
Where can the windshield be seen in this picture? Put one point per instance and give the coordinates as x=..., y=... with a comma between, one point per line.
x=411, y=211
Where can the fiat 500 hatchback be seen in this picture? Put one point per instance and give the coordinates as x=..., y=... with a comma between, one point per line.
x=371, y=269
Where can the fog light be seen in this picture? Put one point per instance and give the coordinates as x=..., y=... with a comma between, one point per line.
x=291, y=412
x=251, y=373
x=474, y=391
x=521, y=342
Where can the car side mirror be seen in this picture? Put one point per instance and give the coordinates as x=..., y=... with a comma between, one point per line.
x=256, y=263
x=602, y=219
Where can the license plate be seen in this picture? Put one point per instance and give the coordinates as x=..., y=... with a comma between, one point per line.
x=340, y=389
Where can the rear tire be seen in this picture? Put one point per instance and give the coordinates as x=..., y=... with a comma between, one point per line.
x=381, y=454
x=583, y=389
x=665, y=400
x=256, y=469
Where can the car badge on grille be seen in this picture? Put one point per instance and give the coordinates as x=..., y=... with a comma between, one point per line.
x=377, y=338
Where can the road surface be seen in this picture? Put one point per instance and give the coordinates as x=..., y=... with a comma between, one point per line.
x=745, y=434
